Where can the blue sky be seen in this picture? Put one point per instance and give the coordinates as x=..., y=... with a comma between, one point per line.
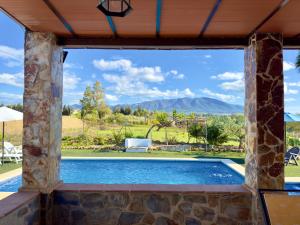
x=130, y=76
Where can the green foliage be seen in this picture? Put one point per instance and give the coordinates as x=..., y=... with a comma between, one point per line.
x=98, y=102
x=294, y=142
x=197, y=131
x=67, y=110
x=99, y=140
x=298, y=61
x=18, y=107
x=117, y=138
x=216, y=134
x=125, y=110
x=141, y=112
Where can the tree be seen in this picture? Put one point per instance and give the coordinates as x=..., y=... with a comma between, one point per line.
x=98, y=101
x=125, y=110
x=67, y=110
x=235, y=126
x=18, y=107
x=216, y=134
x=197, y=131
x=161, y=121
x=86, y=104
x=298, y=61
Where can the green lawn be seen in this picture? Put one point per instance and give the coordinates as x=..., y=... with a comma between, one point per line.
x=9, y=166
x=290, y=171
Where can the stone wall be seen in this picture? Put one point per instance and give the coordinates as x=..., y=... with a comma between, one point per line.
x=43, y=76
x=20, y=209
x=264, y=109
x=164, y=207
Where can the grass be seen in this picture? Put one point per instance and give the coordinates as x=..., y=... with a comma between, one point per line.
x=8, y=166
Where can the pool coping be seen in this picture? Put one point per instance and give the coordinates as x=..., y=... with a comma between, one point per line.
x=228, y=162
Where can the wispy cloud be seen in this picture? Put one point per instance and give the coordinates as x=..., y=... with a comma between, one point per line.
x=288, y=91
x=16, y=79
x=228, y=76
x=131, y=80
x=13, y=57
x=176, y=75
x=148, y=74
x=112, y=98
x=70, y=80
x=7, y=98
x=223, y=97
x=288, y=66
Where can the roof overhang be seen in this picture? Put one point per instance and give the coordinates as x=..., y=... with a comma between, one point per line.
x=160, y=24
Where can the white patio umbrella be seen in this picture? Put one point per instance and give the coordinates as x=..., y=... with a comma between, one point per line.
x=7, y=114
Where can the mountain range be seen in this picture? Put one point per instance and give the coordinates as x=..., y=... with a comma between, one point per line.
x=188, y=105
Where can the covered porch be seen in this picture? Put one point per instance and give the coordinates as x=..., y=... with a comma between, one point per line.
x=262, y=29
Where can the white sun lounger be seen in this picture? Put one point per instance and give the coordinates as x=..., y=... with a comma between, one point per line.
x=13, y=153
x=137, y=144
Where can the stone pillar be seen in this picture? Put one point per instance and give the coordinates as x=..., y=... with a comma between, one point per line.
x=264, y=109
x=42, y=112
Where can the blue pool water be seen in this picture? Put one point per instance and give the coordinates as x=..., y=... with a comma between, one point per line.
x=140, y=172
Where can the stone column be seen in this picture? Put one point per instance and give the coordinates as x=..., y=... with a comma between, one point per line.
x=42, y=112
x=264, y=109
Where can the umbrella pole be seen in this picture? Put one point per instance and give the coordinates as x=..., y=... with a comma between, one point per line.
x=3, y=143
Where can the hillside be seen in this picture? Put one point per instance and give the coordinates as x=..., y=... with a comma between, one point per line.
x=188, y=105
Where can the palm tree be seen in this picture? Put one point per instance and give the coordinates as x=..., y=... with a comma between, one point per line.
x=298, y=61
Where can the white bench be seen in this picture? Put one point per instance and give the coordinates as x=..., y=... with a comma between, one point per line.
x=137, y=144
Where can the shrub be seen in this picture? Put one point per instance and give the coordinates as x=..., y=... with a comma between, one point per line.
x=172, y=140
x=99, y=140
x=196, y=131
x=117, y=138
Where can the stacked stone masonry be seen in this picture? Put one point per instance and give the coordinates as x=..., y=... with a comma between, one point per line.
x=264, y=110
x=151, y=208
x=26, y=214
x=42, y=112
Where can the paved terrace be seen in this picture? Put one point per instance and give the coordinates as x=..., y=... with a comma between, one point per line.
x=261, y=28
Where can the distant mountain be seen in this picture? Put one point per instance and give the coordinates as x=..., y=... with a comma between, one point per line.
x=76, y=106
x=188, y=105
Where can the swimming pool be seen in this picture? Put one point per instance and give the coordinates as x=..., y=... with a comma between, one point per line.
x=131, y=171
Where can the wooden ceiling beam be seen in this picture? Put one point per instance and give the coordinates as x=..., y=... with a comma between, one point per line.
x=276, y=10
x=210, y=17
x=158, y=16
x=53, y=9
x=112, y=26
x=154, y=43
x=165, y=43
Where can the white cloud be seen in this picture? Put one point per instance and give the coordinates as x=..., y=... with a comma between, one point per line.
x=93, y=76
x=125, y=66
x=288, y=66
x=72, y=66
x=288, y=91
x=16, y=79
x=70, y=81
x=289, y=99
x=176, y=75
x=237, y=85
x=127, y=86
x=112, y=98
x=188, y=93
x=223, y=97
x=207, y=56
x=14, y=57
x=294, y=84
x=7, y=97
x=229, y=76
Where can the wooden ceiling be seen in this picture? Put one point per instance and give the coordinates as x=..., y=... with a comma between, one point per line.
x=159, y=19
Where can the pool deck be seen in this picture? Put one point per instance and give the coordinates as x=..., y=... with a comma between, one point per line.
x=231, y=164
